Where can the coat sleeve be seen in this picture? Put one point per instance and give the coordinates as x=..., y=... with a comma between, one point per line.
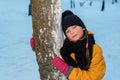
x=96, y=70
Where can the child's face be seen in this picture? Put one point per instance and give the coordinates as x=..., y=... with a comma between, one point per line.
x=74, y=33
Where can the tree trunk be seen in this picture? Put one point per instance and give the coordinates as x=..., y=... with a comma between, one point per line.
x=29, y=10
x=113, y=1
x=116, y=1
x=48, y=36
x=72, y=3
x=103, y=5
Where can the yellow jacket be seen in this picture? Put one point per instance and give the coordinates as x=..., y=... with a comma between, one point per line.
x=96, y=70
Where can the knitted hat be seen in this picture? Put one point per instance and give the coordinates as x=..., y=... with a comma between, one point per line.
x=70, y=19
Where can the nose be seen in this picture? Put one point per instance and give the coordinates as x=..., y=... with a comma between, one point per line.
x=71, y=31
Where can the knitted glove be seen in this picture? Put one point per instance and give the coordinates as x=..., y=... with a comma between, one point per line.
x=32, y=43
x=60, y=65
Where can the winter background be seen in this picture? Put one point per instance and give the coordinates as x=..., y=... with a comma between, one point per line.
x=18, y=61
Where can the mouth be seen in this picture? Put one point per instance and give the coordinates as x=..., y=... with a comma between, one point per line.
x=74, y=35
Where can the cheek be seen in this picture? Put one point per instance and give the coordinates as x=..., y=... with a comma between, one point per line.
x=69, y=37
x=80, y=33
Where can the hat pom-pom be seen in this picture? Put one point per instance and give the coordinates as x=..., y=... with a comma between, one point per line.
x=66, y=13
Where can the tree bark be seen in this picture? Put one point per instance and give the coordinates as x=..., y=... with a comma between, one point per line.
x=48, y=37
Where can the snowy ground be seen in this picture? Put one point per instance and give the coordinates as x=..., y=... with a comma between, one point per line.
x=18, y=61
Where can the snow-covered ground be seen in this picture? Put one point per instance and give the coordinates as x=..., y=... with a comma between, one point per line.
x=18, y=61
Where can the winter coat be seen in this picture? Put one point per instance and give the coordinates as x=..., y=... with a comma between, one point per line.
x=96, y=70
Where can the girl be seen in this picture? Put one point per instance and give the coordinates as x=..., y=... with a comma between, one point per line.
x=82, y=57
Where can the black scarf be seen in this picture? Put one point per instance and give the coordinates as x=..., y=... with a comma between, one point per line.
x=79, y=48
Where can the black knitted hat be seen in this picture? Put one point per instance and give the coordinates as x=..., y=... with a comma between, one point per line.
x=70, y=19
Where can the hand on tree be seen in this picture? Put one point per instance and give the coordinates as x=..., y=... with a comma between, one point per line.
x=32, y=43
x=60, y=65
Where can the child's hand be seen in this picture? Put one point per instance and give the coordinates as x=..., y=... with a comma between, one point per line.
x=60, y=64
x=32, y=43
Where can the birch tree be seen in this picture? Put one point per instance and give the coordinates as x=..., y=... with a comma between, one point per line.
x=48, y=38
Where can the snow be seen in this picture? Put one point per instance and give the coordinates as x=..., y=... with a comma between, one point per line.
x=18, y=61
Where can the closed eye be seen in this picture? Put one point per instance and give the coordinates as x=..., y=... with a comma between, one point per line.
x=74, y=27
x=67, y=31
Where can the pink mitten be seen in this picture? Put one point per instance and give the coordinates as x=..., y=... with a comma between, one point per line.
x=60, y=65
x=32, y=43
